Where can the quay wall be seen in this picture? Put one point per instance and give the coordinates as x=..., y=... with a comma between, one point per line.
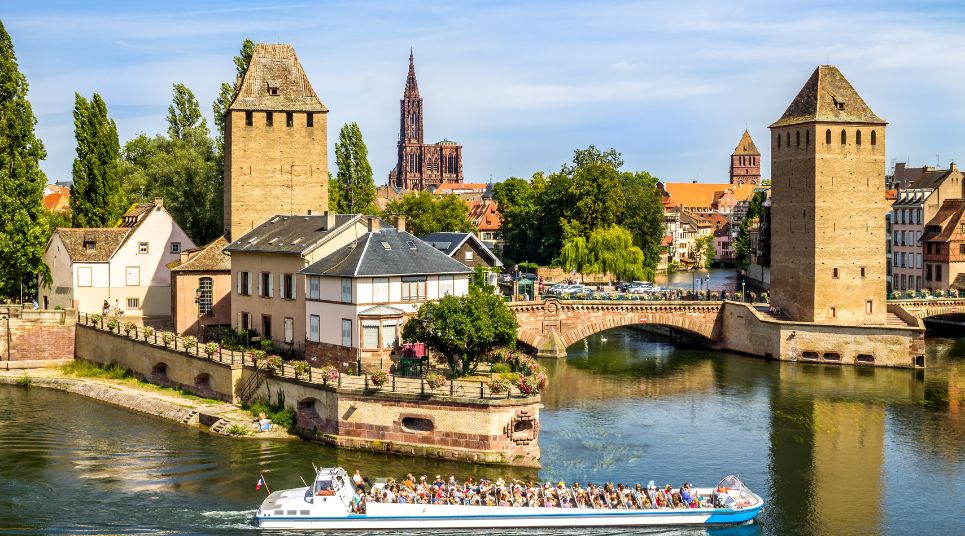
x=747, y=331
x=36, y=334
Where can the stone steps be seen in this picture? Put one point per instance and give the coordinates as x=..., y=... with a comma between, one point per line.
x=220, y=426
x=189, y=417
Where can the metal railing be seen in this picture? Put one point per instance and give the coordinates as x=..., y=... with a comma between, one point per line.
x=363, y=384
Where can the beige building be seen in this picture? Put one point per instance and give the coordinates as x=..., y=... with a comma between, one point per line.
x=828, y=205
x=268, y=294
x=276, y=152
x=126, y=266
x=201, y=290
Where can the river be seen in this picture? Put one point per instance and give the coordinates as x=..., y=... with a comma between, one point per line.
x=835, y=450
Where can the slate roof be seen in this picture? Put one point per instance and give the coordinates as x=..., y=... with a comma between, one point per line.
x=208, y=258
x=746, y=146
x=449, y=243
x=933, y=178
x=106, y=241
x=276, y=66
x=368, y=256
x=292, y=235
x=828, y=97
x=948, y=219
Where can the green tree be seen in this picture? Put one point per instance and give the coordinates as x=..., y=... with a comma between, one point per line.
x=24, y=228
x=592, y=155
x=227, y=92
x=184, y=114
x=643, y=214
x=742, y=244
x=355, y=192
x=428, y=213
x=705, y=251
x=519, y=210
x=598, y=200
x=611, y=251
x=96, y=197
x=464, y=329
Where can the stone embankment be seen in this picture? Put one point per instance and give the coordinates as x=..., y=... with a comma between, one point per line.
x=214, y=417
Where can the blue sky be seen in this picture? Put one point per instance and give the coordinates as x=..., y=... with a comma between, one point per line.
x=519, y=84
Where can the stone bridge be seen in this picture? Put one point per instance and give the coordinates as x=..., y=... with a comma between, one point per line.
x=550, y=326
x=931, y=307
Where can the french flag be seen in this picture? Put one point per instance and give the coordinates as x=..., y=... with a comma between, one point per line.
x=261, y=482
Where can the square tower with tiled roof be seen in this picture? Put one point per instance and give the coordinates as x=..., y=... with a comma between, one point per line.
x=745, y=162
x=275, y=143
x=828, y=205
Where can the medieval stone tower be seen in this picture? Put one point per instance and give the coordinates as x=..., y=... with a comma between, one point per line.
x=745, y=162
x=275, y=143
x=828, y=205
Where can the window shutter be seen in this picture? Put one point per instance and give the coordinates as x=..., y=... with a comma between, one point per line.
x=249, y=284
x=294, y=286
x=241, y=326
x=239, y=282
x=270, y=285
x=261, y=290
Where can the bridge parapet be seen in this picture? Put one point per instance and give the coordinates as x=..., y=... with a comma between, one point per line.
x=924, y=308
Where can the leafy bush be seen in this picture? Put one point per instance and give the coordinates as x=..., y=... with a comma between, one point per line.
x=273, y=363
x=95, y=319
x=435, y=380
x=499, y=386
x=24, y=381
x=266, y=345
x=257, y=356
x=499, y=368
x=278, y=413
x=330, y=374
x=378, y=378
x=237, y=430
x=300, y=367
x=129, y=327
x=510, y=377
x=167, y=338
x=112, y=324
x=528, y=385
x=211, y=348
x=148, y=333
x=189, y=342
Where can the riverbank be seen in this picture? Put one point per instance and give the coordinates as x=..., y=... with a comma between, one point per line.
x=209, y=415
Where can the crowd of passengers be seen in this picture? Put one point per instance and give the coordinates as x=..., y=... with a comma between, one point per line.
x=527, y=494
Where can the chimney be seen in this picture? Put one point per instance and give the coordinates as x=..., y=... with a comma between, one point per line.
x=400, y=223
x=159, y=201
x=373, y=222
x=952, y=167
x=329, y=220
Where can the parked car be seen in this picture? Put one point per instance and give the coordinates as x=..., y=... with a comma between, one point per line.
x=531, y=277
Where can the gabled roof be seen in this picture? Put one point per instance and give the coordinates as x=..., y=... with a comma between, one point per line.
x=484, y=215
x=275, y=68
x=449, y=243
x=828, y=97
x=948, y=219
x=699, y=194
x=208, y=258
x=933, y=178
x=746, y=146
x=386, y=252
x=382, y=310
x=104, y=241
x=291, y=235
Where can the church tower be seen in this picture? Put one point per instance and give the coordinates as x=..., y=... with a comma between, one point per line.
x=745, y=162
x=275, y=143
x=828, y=205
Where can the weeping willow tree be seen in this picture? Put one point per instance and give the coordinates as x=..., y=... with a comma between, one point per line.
x=609, y=250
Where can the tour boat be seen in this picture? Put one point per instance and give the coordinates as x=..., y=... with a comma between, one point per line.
x=328, y=504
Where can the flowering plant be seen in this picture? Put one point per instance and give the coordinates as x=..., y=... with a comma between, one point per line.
x=528, y=385
x=189, y=342
x=256, y=356
x=378, y=378
x=300, y=368
x=330, y=374
x=129, y=327
x=498, y=386
x=273, y=363
x=167, y=338
x=95, y=319
x=435, y=380
x=112, y=324
x=148, y=332
x=211, y=348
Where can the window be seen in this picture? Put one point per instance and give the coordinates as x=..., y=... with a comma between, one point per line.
x=314, y=284
x=834, y=273
x=869, y=307
x=249, y=118
x=827, y=137
x=833, y=312
x=807, y=138
x=468, y=255
x=904, y=282
x=90, y=245
x=413, y=288
x=962, y=228
x=205, y=295
x=142, y=248
x=778, y=140
x=918, y=260
x=389, y=333
x=175, y=247
x=797, y=138
x=265, y=326
x=244, y=320
x=380, y=290
x=961, y=249
x=310, y=119
x=244, y=283
x=857, y=138
x=844, y=137
x=370, y=334
x=917, y=282
x=265, y=284
x=289, y=330
x=273, y=91
x=347, y=289
x=289, y=119
x=787, y=138
x=132, y=276
x=938, y=272
x=269, y=119
x=874, y=138
x=346, y=332
x=288, y=286
x=314, y=328
x=927, y=272
x=134, y=303
x=862, y=271
x=446, y=285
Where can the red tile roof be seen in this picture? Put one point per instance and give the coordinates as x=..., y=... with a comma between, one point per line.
x=485, y=215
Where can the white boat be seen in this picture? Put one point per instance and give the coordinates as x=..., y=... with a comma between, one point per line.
x=328, y=504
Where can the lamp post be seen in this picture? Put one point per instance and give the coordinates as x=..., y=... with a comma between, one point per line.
x=743, y=287
x=5, y=316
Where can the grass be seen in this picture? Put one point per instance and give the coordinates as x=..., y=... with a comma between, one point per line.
x=84, y=369
x=237, y=430
x=24, y=381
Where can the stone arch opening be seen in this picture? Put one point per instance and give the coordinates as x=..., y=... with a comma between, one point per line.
x=874, y=138
x=307, y=414
x=202, y=381
x=159, y=372
x=417, y=425
x=827, y=137
x=857, y=137
x=844, y=137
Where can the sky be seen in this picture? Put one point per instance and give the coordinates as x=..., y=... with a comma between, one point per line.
x=671, y=85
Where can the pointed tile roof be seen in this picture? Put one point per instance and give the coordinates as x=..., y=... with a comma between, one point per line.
x=828, y=97
x=746, y=146
x=275, y=80
x=411, y=85
x=209, y=258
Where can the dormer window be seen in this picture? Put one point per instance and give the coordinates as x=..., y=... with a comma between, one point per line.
x=273, y=87
x=838, y=104
x=89, y=245
x=386, y=246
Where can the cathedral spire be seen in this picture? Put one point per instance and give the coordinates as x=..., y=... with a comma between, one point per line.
x=411, y=86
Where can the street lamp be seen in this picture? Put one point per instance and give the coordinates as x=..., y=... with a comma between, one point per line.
x=743, y=293
x=707, y=286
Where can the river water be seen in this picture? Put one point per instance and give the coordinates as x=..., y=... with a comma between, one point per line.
x=835, y=450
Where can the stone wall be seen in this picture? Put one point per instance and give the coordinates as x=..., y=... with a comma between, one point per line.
x=41, y=334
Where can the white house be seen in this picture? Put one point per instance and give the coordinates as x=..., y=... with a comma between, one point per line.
x=123, y=265
x=359, y=296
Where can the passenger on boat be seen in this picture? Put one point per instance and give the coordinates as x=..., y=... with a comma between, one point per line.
x=689, y=498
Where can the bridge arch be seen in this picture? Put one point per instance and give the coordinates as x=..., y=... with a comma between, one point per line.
x=549, y=327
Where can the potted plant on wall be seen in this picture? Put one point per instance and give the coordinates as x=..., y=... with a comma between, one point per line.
x=112, y=324
x=435, y=380
x=189, y=343
x=148, y=332
x=300, y=368
x=211, y=348
x=498, y=386
x=330, y=375
x=167, y=338
x=94, y=320
x=273, y=364
x=257, y=356
x=129, y=327
x=378, y=378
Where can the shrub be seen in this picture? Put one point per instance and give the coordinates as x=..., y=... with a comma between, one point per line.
x=148, y=333
x=266, y=345
x=528, y=385
x=211, y=348
x=167, y=338
x=95, y=319
x=499, y=368
x=273, y=363
x=330, y=374
x=435, y=380
x=300, y=368
x=189, y=342
x=85, y=369
x=24, y=381
x=278, y=413
x=378, y=378
x=112, y=324
x=257, y=356
x=129, y=327
x=237, y=430
x=499, y=385
x=510, y=377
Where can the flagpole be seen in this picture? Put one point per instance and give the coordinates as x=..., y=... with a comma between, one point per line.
x=266, y=484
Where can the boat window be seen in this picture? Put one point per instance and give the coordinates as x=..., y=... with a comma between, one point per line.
x=324, y=487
